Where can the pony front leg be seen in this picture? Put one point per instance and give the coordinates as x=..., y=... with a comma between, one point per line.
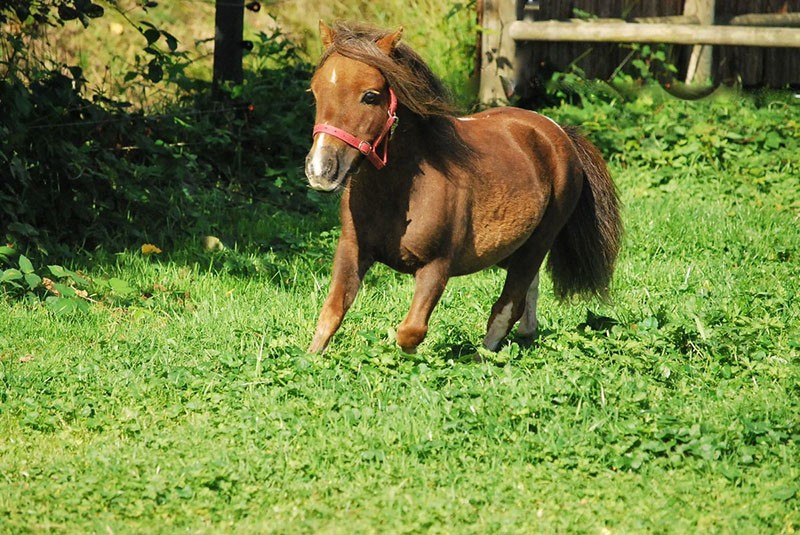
x=348, y=271
x=431, y=280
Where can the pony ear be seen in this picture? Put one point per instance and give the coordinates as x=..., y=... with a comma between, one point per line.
x=387, y=44
x=326, y=33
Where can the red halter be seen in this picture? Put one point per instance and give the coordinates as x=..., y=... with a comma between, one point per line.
x=365, y=147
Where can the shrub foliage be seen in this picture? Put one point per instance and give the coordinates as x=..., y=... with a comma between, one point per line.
x=81, y=170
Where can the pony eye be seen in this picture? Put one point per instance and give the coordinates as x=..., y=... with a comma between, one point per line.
x=370, y=97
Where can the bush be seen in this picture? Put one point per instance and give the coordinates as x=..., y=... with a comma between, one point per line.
x=82, y=171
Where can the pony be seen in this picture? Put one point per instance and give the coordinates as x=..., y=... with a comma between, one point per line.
x=437, y=195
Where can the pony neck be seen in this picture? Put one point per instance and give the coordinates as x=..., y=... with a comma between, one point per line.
x=418, y=141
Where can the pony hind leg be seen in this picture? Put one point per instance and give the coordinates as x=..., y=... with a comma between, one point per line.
x=500, y=323
x=528, y=323
x=517, y=301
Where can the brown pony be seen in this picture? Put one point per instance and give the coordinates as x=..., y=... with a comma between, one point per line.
x=450, y=195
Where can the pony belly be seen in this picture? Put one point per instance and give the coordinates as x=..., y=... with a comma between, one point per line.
x=473, y=263
x=497, y=239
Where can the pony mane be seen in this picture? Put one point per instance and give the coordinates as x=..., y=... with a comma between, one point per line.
x=415, y=85
x=417, y=88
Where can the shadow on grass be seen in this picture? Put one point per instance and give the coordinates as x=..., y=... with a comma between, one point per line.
x=512, y=348
x=236, y=237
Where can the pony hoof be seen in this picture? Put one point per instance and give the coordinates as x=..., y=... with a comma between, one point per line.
x=316, y=348
x=491, y=345
x=408, y=338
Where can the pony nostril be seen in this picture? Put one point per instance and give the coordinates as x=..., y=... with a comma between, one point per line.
x=322, y=170
x=321, y=159
x=321, y=167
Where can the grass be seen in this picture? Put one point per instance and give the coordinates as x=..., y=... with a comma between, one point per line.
x=191, y=405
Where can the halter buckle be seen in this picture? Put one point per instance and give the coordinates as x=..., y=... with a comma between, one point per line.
x=364, y=147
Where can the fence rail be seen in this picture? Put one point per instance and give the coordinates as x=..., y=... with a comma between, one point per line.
x=632, y=32
x=507, y=39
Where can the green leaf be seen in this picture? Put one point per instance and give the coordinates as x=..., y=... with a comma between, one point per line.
x=33, y=280
x=67, y=13
x=784, y=493
x=649, y=324
x=64, y=290
x=94, y=11
x=154, y=71
x=152, y=35
x=81, y=305
x=65, y=305
x=120, y=286
x=58, y=271
x=63, y=273
x=701, y=328
x=60, y=305
x=77, y=279
x=11, y=275
x=732, y=473
x=25, y=265
x=172, y=42
x=773, y=140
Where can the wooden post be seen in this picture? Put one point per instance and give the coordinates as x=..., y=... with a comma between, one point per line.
x=700, y=62
x=228, y=36
x=497, y=50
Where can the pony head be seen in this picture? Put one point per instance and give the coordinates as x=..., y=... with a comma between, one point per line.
x=355, y=110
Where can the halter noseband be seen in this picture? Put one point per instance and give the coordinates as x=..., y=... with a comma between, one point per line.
x=365, y=147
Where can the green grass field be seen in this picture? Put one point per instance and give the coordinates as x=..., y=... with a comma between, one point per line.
x=183, y=399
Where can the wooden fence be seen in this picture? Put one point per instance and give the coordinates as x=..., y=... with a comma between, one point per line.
x=756, y=42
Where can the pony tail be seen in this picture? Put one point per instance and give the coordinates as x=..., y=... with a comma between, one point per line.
x=583, y=255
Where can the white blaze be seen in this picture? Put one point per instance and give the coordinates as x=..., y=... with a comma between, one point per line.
x=316, y=164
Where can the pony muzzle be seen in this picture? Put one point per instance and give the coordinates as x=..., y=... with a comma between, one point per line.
x=327, y=165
